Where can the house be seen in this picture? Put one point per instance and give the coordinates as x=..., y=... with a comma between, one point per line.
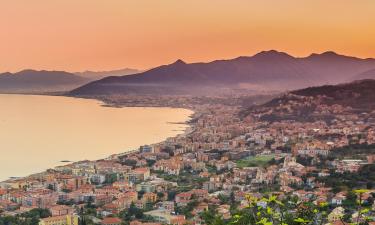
x=164, y=216
x=112, y=208
x=224, y=210
x=126, y=200
x=111, y=221
x=103, y=199
x=167, y=205
x=149, y=197
x=132, y=195
x=122, y=186
x=201, y=207
x=108, y=191
x=312, y=148
x=143, y=173
x=199, y=193
x=61, y=210
x=145, y=187
x=182, y=199
x=146, y=149
x=136, y=222
x=60, y=220
x=286, y=179
x=338, y=198
x=97, y=178
x=138, y=174
x=336, y=214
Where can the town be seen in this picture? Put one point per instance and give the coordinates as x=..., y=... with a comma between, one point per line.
x=226, y=155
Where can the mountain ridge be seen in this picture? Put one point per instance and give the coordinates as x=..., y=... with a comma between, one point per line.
x=95, y=75
x=34, y=81
x=269, y=70
x=370, y=74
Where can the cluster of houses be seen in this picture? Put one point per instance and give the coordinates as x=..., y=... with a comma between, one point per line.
x=150, y=179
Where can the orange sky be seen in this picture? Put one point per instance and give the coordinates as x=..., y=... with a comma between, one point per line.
x=76, y=35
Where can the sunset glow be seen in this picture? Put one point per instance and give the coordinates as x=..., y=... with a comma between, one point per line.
x=100, y=35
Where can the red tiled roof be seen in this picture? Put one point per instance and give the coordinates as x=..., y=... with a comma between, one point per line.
x=111, y=220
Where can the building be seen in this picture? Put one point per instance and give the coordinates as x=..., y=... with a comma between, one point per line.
x=60, y=220
x=149, y=197
x=312, y=149
x=137, y=175
x=146, y=149
x=145, y=187
x=111, y=221
x=336, y=214
x=164, y=216
x=61, y=210
x=136, y=222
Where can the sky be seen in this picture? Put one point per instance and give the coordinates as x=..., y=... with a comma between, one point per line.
x=78, y=35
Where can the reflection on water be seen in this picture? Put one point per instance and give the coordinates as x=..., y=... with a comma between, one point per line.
x=39, y=132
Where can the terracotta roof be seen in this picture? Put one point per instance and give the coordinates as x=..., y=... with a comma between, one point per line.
x=111, y=220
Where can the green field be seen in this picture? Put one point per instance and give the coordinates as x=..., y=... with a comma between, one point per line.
x=255, y=161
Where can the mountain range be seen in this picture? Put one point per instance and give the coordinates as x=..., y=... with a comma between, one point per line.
x=33, y=81
x=265, y=71
x=95, y=75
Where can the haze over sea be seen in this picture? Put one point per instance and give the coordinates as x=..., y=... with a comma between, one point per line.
x=38, y=132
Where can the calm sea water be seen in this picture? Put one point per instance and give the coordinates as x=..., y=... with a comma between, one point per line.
x=38, y=132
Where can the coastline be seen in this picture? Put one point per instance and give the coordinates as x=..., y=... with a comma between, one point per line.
x=181, y=132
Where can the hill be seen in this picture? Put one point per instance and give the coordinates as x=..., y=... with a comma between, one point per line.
x=319, y=103
x=32, y=81
x=95, y=75
x=357, y=95
x=265, y=71
x=370, y=74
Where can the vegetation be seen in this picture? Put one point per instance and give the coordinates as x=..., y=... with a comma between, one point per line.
x=29, y=218
x=187, y=209
x=359, y=151
x=289, y=211
x=185, y=180
x=257, y=161
x=134, y=213
x=364, y=178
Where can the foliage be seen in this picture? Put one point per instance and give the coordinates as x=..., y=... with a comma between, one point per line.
x=29, y=218
x=359, y=151
x=171, y=195
x=270, y=210
x=150, y=162
x=130, y=162
x=110, y=178
x=257, y=161
x=187, y=209
x=131, y=213
x=364, y=178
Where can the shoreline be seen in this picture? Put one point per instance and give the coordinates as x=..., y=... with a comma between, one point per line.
x=185, y=131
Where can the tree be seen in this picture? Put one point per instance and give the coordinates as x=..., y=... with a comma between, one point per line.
x=171, y=195
x=211, y=218
x=160, y=195
x=290, y=211
x=130, y=162
x=268, y=211
x=29, y=218
x=132, y=212
x=111, y=178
